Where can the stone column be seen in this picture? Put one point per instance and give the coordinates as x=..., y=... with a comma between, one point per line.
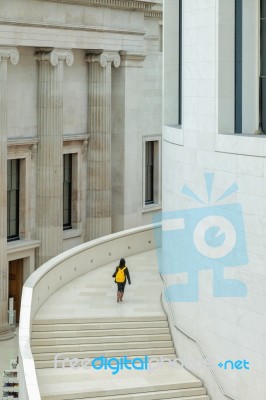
x=99, y=192
x=50, y=153
x=6, y=54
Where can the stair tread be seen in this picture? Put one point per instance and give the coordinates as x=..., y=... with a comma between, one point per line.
x=114, y=353
x=188, y=394
x=156, y=395
x=96, y=346
x=116, y=332
x=48, y=321
x=103, y=339
x=100, y=326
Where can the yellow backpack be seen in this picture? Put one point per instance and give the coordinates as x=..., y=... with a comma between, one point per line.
x=120, y=275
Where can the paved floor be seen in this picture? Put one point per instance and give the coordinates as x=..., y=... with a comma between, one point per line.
x=94, y=294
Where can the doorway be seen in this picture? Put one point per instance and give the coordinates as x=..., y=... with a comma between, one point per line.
x=16, y=283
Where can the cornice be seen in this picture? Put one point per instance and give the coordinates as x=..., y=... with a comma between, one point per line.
x=77, y=27
x=153, y=14
x=121, y=4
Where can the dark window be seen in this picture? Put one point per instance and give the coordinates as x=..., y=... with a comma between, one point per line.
x=238, y=65
x=149, y=173
x=12, y=200
x=263, y=65
x=67, y=191
x=180, y=66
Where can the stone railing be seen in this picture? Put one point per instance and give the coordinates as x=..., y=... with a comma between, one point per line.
x=62, y=269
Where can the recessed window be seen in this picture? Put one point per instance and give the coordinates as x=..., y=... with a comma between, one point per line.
x=13, y=168
x=238, y=65
x=149, y=173
x=263, y=65
x=67, y=191
x=151, y=176
x=172, y=55
x=180, y=28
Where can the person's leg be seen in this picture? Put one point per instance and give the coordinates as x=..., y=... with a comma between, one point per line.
x=122, y=291
x=120, y=288
x=118, y=293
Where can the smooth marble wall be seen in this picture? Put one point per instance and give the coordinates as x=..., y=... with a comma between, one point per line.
x=226, y=328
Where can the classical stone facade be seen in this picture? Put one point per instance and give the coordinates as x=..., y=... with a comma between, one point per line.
x=80, y=79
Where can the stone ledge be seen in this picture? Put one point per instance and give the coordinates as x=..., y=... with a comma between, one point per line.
x=22, y=141
x=21, y=245
x=71, y=233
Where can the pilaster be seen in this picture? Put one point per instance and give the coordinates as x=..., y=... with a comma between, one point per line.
x=127, y=130
x=99, y=189
x=6, y=55
x=50, y=152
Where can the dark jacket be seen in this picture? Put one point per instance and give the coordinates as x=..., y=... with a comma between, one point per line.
x=127, y=276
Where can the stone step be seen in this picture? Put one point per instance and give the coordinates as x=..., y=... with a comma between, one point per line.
x=99, y=326
x=98, y=332
x=103, y=339
x=204, y=397
x=107, y=353
x=49, y=363
x=49, y=321
x=176, y=390
x=182, y=394
x=187, y=394
x=101, y=347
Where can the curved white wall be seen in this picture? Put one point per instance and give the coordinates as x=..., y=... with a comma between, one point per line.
x=227, y=328
x=59, y=271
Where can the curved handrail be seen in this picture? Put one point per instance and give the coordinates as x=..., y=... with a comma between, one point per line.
x=198, y=346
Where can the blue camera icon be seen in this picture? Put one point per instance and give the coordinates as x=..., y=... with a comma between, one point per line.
x=204, y=238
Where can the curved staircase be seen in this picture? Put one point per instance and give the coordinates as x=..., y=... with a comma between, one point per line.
x=109, y=337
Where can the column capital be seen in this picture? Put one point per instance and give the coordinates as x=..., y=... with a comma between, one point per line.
x=104, y=58
x=55, y=55
x=9, y=53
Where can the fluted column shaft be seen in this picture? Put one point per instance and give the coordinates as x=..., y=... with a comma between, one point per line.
x=99, y=192
x=6, y=54
x=50, y=153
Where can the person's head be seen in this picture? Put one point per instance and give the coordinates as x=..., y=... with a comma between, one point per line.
x=122, y=262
